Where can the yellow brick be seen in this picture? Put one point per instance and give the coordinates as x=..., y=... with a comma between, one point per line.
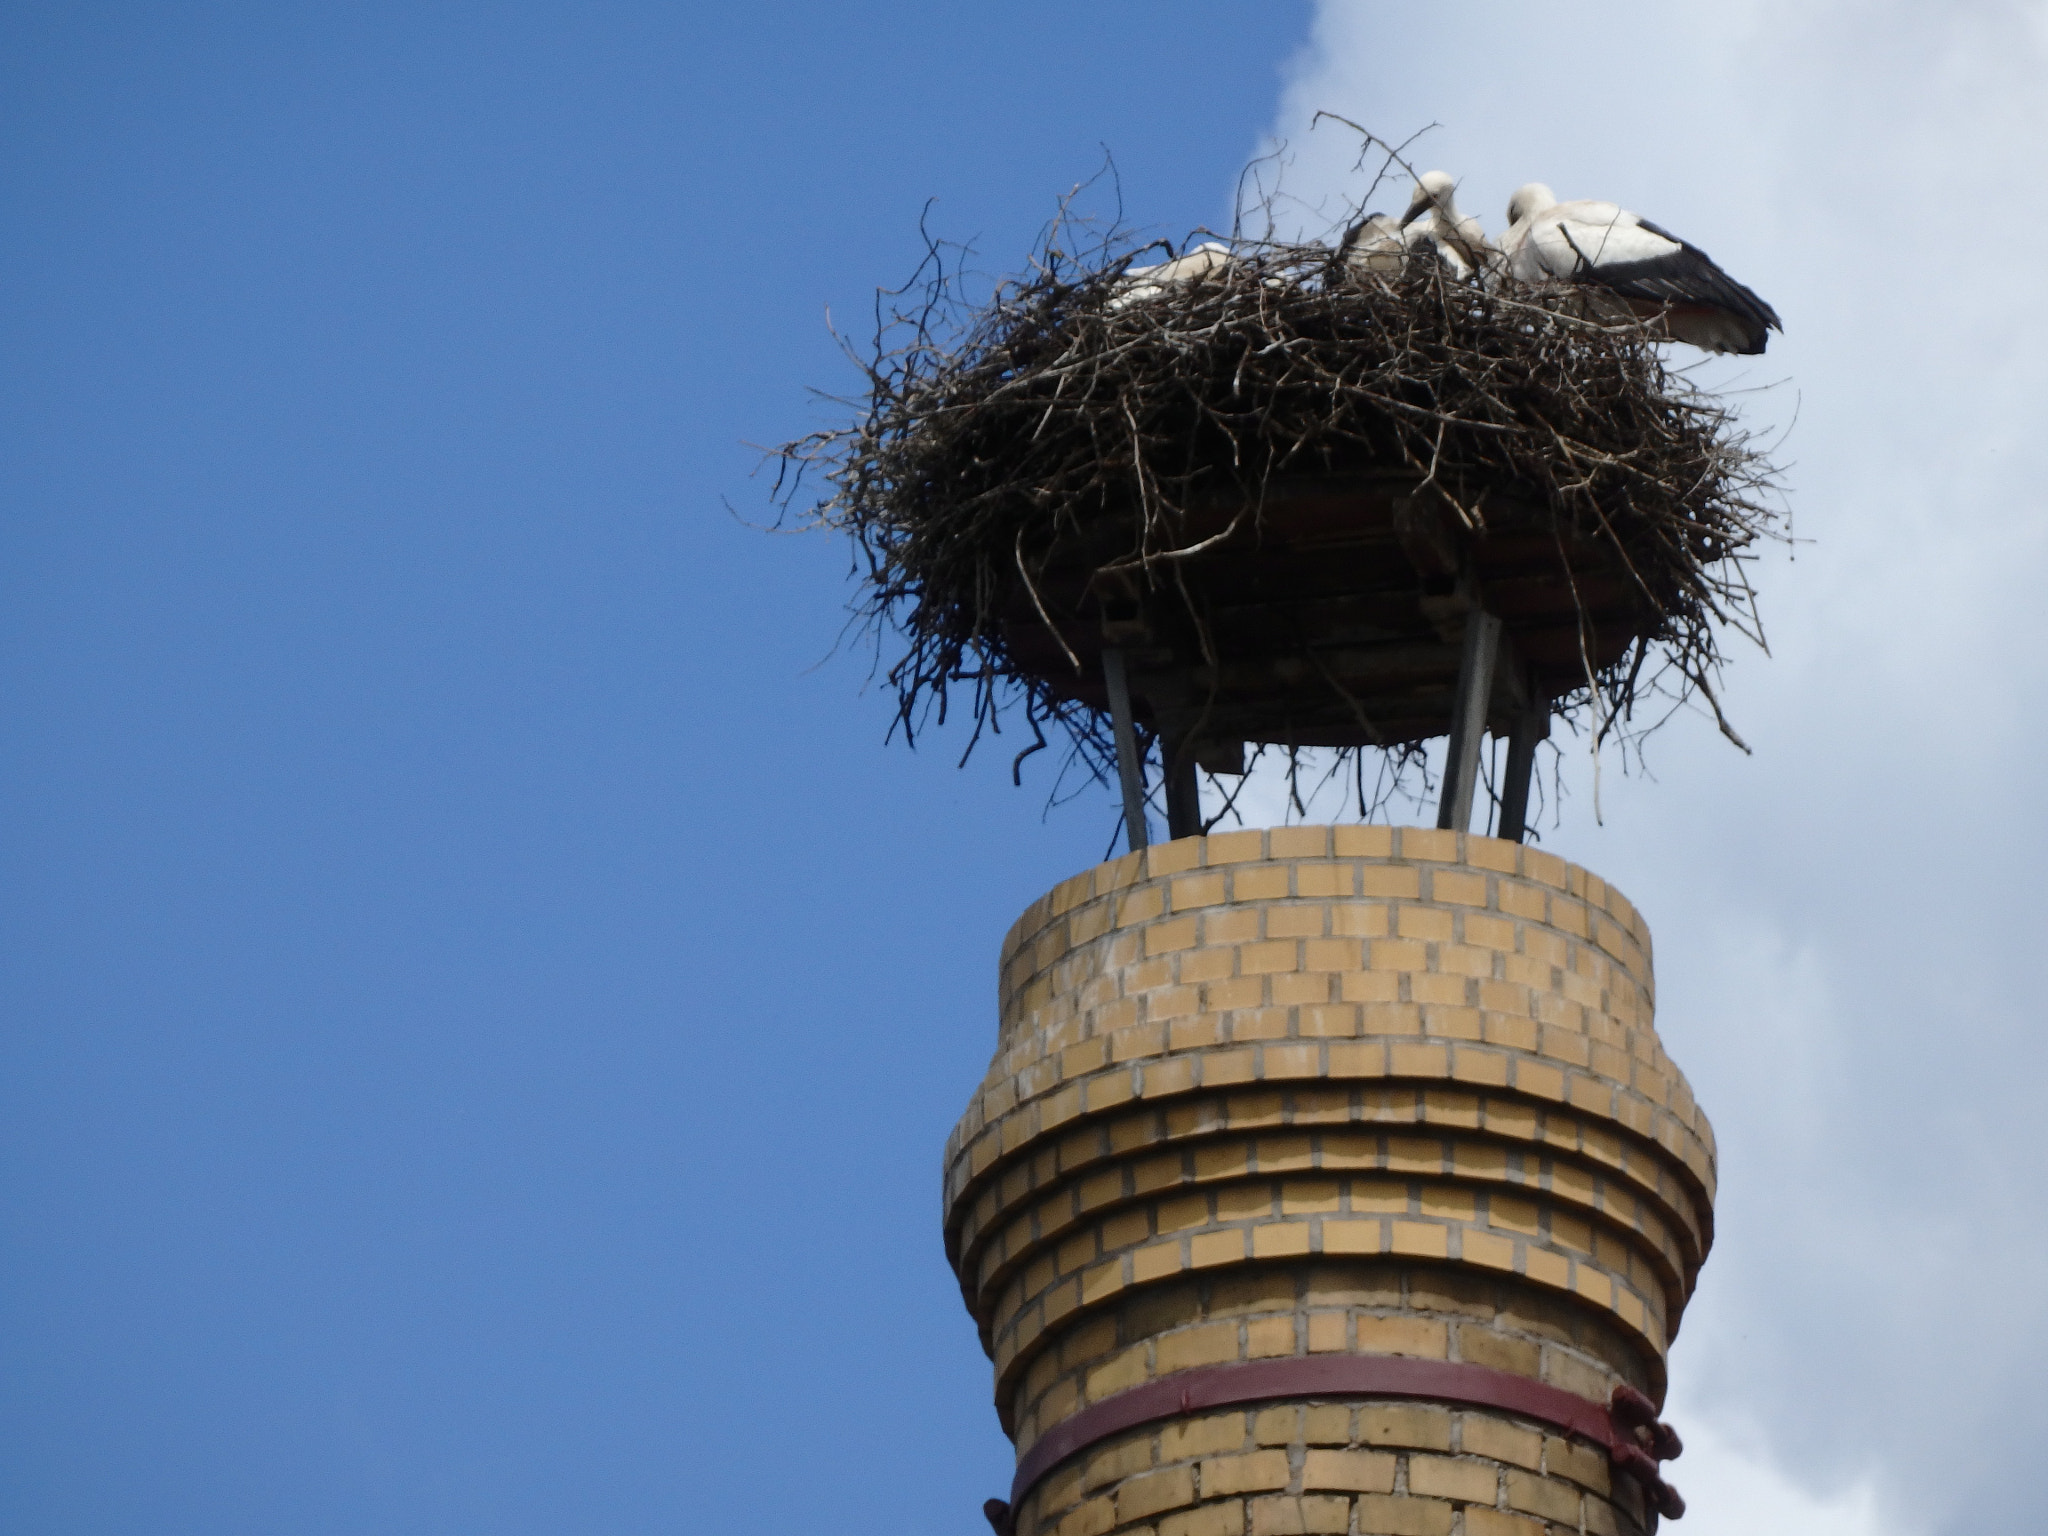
x=1236, y=992
x=1140, y=906
x=1379, y=1195
x=1206, y=965
x=1268, y=1337
x=1279, y=1240
x=1421, y=1240
x=1129, y=1227
x=1486, y=931
x=1428, y=843
x=1491, y=853
x=1356, y=842
x=1399, y=1515
x=1583, y=1464
x=1263, y=882
x=1330, y=1019
x=1478, y=1160
x=1155, y=1491
x=1183, y=1212
x=1235, y=847
x=1439, y=989
x=1284, y=1154
x=1164, y=938
x=1410, y=1425
x=1120, y=1374
x=1244, y=1202
x=1223, y=1160
x=1284, y=1061
x=1541, y=1496
x=1423, y=1061
x=1230, y=925
x=1116, y=1464
x=1415, y=1154
x=1526, y=901
x=1568, y=1232
x=1212, y=1248
x=1246, y=1473
x=1196, y=1032
x=1354, y=1471
x=1358, y=920
x=1224, y=1067
x=1208, y=1344
x=1257, y=1023
x=1426, y=923
x=1487, y=1436
x=1351, y=1236
x=1076, y=1252
x=1393, y=1019
x=1369, y=986
x=1300, y=1197
x=1474, y=1482
x=1547, y=1267
x=1289, y=1515
x=1492, y=1522
x=1328, y=1333
x=1303, y=921
x=1486, y=1250
x=1457, y=886
x=1256, y=1110
x=1324, y=879
x=1438, y=1200
x=1102, y=1281
x=1392, y=880
x=1544, y=1082
x=1089, y=1519
x=1332, y=954
x=1298, y=842
x=1268, y=956
x=1277, y=1426
x=1185, y=1439
x=1506, y=1029
x=1205, y=1520
x=1403, y=1336
x=1204, y=890
x=1500, y=1350
x=1357, y=1059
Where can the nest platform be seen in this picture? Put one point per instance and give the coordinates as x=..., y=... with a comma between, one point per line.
x=1281, y=494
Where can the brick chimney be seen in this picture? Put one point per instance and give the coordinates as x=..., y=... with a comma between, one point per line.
x=1331, y=1179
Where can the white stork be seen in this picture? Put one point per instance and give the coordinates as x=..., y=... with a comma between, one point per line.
x=1382, y=245
x=1141, y=283
x=1629, y=268
x=1457, y=237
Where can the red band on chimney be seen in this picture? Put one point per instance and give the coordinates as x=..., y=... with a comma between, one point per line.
x=1310, y=1376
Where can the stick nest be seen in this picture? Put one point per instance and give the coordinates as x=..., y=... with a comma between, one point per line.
x=1039, y=457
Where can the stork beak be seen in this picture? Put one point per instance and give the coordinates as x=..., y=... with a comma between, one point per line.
x=1416, y=210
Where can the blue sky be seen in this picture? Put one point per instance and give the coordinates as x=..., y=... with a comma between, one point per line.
x=483, y=1004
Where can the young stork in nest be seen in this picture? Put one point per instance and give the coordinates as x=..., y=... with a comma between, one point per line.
x=1629, y=268
x=1141, y=283
x=1378, y=244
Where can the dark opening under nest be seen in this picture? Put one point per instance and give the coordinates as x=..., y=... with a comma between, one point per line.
x=1279, y=489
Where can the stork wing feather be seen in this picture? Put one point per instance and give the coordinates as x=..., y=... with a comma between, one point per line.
x=1687, y=276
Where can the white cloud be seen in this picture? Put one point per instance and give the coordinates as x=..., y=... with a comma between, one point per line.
x=1848, y=922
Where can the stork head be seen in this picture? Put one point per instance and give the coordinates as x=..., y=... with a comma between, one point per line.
x=1433, y=190
x=1532, y=198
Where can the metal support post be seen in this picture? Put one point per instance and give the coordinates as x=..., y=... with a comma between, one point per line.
x=1130, y=768
x=1532, y=724
x=1183, y=788
x=1468, y=719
